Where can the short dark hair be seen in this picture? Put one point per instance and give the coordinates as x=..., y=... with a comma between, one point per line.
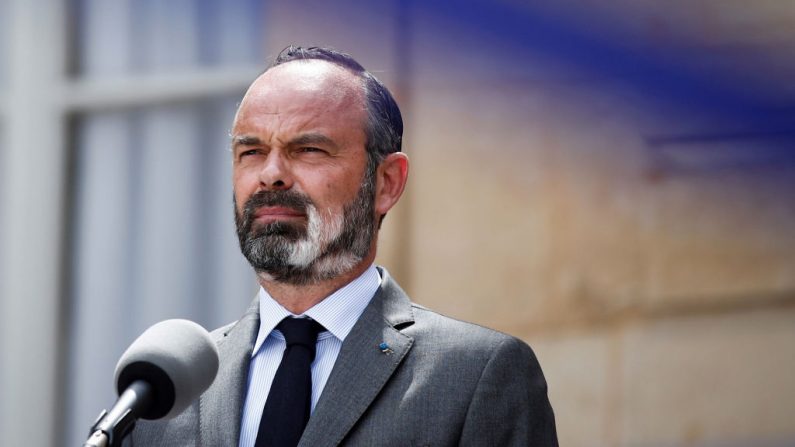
x=384, y=127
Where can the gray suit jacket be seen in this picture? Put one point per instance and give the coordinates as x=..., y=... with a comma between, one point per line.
x=445, y=383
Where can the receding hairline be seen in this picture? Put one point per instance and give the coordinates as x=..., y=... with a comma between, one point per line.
x=335, y=67
x=356, y=83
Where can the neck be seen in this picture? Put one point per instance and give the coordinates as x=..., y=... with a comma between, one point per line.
x=300, y=298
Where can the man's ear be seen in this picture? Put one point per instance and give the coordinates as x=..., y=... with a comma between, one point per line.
x=391, y=177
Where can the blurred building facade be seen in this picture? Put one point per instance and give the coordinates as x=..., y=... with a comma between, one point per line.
x=615, y=184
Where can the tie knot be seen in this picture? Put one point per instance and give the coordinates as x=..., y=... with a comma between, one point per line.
x=300, y=331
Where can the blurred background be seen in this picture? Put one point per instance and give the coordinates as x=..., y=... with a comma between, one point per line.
x=613, y=182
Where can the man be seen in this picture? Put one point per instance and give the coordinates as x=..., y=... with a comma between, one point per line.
x=316, y=167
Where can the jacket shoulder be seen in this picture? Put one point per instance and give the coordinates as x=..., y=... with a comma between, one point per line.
x=428, y=322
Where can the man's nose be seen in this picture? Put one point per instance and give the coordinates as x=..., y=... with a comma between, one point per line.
x=275, y=174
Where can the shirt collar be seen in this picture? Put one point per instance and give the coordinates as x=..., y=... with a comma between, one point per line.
x=337, y=312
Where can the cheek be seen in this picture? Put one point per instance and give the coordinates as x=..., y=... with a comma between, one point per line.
x=239, y=200
x=240, y=194
x=340, y=193
x=244, y=183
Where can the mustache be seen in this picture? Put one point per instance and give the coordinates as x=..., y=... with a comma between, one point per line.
x=287, y=199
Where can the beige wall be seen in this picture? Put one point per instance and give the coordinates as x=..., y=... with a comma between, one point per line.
x=656, y=286
x=660, y=304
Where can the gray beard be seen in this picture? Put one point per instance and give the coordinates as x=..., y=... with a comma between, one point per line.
x=306, y=254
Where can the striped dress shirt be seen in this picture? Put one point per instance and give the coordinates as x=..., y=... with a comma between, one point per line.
x=337, y=313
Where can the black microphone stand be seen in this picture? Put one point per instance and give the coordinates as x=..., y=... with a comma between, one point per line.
x=112, y=426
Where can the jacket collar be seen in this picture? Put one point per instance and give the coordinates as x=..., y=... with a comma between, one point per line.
x=369, y=356
x=221, y=406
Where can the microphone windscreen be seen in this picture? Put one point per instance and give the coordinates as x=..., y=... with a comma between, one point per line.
x=177, y=358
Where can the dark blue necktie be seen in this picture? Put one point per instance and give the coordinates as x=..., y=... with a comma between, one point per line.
x=290, y=398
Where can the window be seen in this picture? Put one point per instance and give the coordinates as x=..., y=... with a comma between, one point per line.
x=155, y=87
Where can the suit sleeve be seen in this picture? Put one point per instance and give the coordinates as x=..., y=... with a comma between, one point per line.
x=510, y=406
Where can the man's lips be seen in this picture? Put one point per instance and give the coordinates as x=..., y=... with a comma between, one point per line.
x=268, y=214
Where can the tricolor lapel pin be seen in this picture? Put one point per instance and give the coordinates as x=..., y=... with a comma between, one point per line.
x=385, y=348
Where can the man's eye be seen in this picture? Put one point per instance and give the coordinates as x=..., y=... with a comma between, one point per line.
x=311, y=149
x=248, y=152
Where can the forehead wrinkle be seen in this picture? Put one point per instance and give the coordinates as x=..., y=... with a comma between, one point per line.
x=249, y=123
x=295, y=130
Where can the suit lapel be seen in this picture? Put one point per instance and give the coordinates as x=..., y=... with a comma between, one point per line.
x=221, y=406
x=361, y=369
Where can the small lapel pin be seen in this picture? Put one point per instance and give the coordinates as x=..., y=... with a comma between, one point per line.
x=385, y=348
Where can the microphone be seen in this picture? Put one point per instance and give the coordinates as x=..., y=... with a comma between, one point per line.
x=165, y=369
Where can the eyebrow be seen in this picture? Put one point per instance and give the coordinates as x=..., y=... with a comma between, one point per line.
x=301, y=140
x=245, y=140
x=312, y=138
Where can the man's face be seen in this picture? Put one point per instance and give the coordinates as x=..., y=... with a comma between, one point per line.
x=303, y=204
